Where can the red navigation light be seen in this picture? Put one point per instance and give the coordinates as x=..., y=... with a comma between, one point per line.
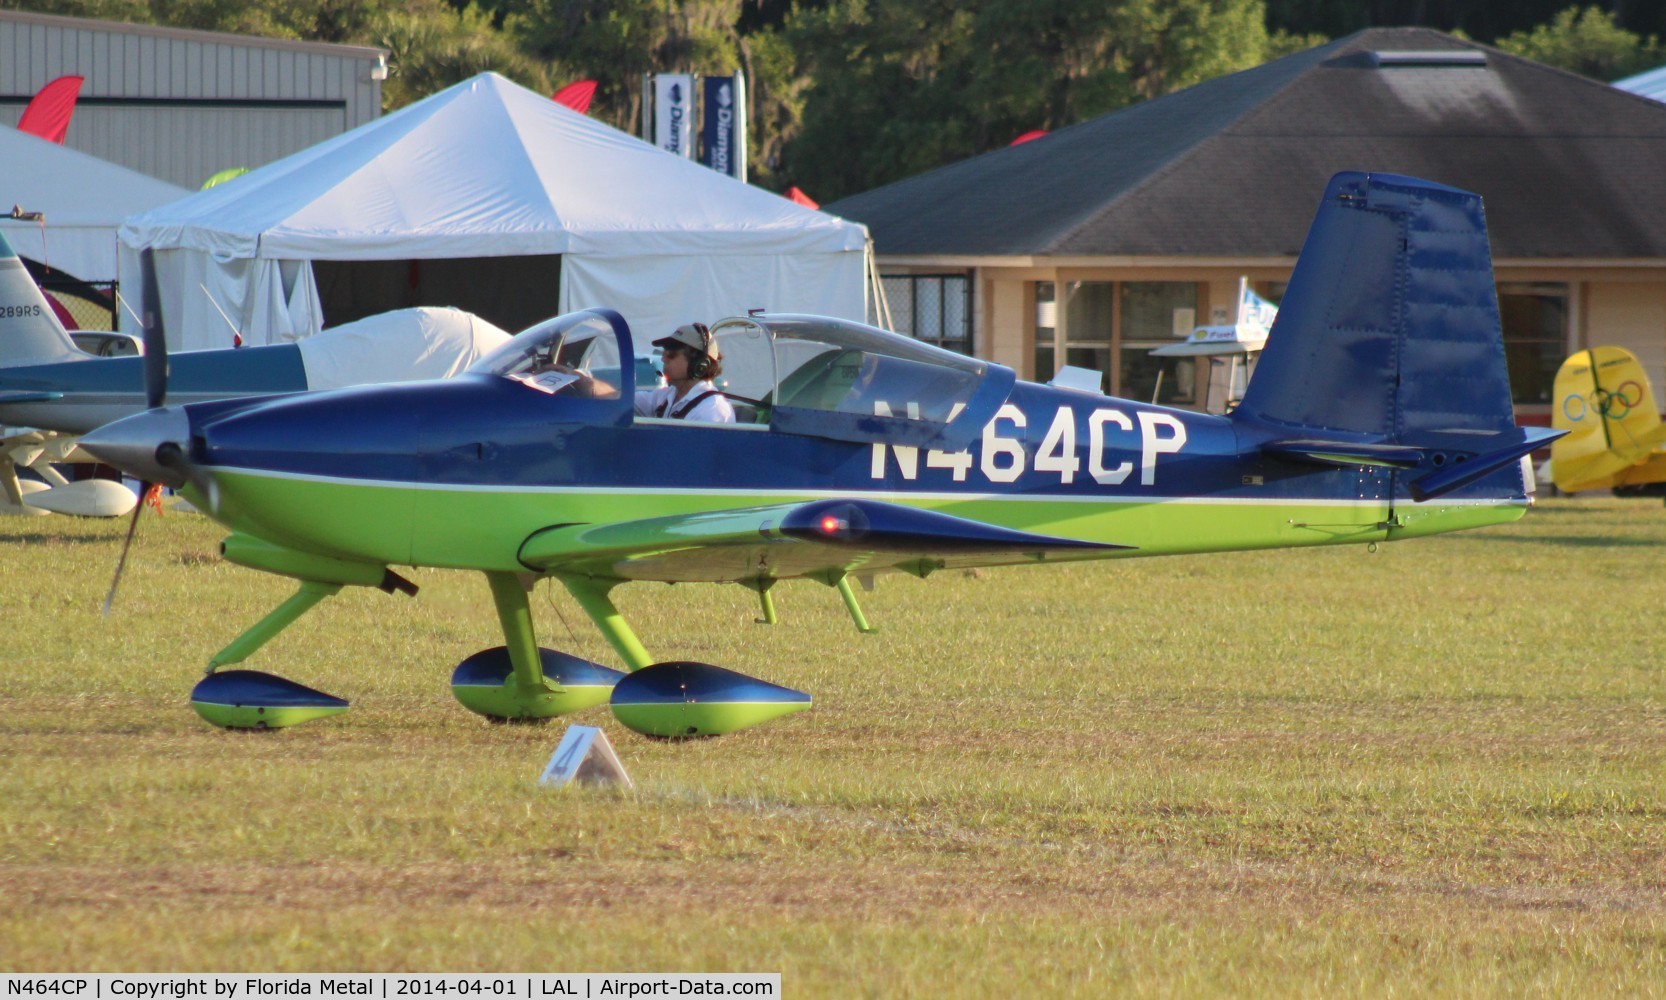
x=831, y=525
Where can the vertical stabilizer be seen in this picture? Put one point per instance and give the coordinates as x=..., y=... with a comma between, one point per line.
x=30, y=333
x=1389, y=329
x=1604, y=401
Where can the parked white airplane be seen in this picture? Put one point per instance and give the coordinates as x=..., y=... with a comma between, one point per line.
x=52, y=391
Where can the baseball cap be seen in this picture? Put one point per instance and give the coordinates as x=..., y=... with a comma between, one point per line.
x=689, y=335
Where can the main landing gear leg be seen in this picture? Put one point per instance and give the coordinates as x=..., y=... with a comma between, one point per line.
x=283, y=616
x=515, y=616
x=766, y=600
x=840, y=581
x=592, y=596
x=518, y=680
x=250, y=699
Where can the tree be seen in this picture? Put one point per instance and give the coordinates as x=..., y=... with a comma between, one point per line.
x=901, y=86
x=1589, y=42
x=433, y=45
x=615, y=42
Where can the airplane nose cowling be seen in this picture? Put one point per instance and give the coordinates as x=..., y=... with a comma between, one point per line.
x=135, y=445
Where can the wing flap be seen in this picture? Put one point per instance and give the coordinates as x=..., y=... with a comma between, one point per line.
x=788, y=540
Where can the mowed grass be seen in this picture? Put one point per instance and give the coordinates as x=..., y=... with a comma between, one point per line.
x=1434, y=768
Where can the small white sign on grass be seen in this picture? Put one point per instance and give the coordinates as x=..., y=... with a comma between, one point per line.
x=584, y=754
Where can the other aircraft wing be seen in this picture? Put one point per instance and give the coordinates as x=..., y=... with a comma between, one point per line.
x=788, y=540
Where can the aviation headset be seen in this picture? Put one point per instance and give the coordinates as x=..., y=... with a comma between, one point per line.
x=699, y=368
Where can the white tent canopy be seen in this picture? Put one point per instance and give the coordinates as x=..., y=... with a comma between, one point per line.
x=82, y=200
x=489, y=169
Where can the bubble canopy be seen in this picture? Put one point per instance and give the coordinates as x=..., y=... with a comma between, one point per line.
x=838, y=379
x=574, y=354
x=805, y=375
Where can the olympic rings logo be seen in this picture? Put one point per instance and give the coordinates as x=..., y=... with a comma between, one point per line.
x=1612, y=405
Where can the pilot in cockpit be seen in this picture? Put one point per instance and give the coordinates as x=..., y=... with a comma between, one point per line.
x=692, y=360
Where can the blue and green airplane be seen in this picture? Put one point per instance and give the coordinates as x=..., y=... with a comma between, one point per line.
x=1380, y=411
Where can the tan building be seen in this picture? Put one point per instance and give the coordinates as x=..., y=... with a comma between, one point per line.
x=1102, y=241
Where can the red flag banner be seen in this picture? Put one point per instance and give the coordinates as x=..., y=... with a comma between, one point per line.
x=576, y=95
x=48, y=114
x=801, y=198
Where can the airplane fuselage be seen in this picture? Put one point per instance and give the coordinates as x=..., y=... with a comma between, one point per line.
x=460, y=474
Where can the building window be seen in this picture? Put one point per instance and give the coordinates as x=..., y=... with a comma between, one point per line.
x=1535, y=320
x=1088, y=332
x=1046, y=327
x=935, y=308
x=1155, y=313
x=1089, y=326
x=1106, y=322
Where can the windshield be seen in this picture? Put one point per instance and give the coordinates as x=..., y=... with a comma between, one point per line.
x=834, y=378
x=576, y=354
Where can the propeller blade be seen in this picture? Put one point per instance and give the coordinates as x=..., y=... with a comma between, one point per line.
x=156, y=340
x=121, y=563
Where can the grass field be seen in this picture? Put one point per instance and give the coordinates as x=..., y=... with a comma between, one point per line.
x=1434, y=768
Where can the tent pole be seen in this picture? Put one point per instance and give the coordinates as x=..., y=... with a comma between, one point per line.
x=882, y=307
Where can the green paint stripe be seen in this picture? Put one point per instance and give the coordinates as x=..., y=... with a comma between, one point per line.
x=405, y=525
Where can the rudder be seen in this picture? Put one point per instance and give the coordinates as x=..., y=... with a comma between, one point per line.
x=1389, y=328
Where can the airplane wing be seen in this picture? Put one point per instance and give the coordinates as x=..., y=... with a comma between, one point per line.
x=788, y=540
x=29, y=397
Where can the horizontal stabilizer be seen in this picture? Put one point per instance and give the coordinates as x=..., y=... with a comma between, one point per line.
x=785, y=540
x=1448, y=459
x=1466, y=470
x=1345, y=453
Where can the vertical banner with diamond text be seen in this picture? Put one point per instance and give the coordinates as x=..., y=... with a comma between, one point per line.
x=674, y=113
x=721, y=113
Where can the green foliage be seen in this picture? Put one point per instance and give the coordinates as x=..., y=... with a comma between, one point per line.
x=1587, y=40
x=310, y=20
x=1484, y=21
x=615, y=42
x=913, y=84
x=775, y=95
x=432, y=45
x=130, y=11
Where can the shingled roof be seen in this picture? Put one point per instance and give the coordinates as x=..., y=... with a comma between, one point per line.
x=1569, y=167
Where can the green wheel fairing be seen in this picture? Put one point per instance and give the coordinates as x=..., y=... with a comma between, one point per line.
x=261, y=716
x=683, y=699
x=509, y=700
x=253, y=699
x=685, y=721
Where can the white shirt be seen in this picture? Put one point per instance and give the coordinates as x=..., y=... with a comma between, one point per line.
x=663, y=402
